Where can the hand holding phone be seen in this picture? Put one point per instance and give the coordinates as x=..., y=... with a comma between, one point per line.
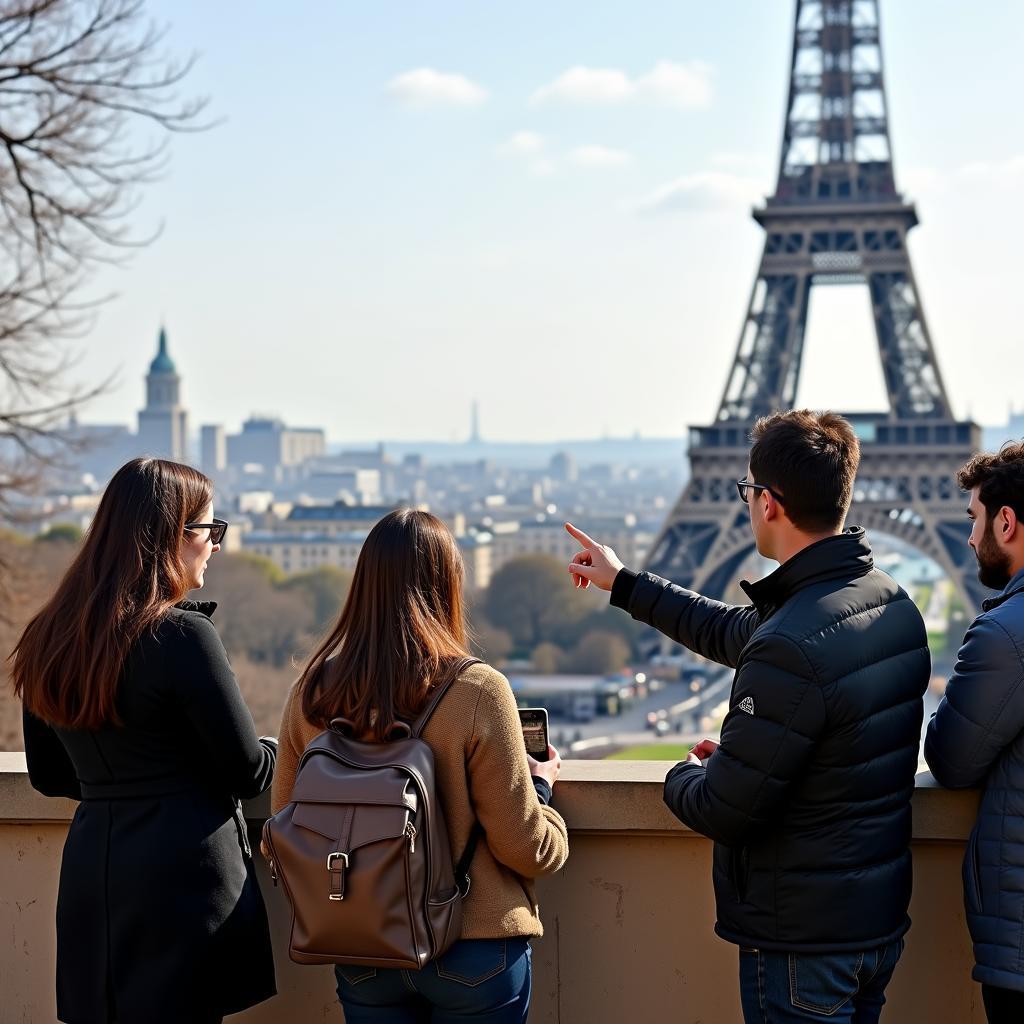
x=534, y=723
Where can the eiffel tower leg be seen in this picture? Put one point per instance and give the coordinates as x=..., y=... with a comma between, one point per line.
x=908, y=362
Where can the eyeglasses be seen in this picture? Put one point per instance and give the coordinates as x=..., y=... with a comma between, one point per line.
x=743, y=485
x=217, y=529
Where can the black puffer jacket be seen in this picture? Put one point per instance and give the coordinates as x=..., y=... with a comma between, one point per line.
x=977, y=737
x=808, y=796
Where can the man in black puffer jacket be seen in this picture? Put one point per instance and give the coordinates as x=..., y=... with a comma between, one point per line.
x=977, y=735
x=808, y=794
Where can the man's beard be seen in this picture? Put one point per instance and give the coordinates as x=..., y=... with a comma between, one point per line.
x=993, y=564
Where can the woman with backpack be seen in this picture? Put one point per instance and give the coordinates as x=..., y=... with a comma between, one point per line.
x=130, y=706
x=400, y=635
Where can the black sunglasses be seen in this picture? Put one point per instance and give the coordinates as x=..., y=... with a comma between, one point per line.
x=217, y=529
x=741, y=489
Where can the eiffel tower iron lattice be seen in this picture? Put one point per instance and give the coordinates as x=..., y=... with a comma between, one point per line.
x=835, y=218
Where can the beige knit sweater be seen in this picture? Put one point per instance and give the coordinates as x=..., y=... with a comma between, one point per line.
x=480, y=764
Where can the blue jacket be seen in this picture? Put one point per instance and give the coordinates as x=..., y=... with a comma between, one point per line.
x=977, y=737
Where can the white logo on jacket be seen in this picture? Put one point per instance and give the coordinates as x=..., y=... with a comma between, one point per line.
x=747, y=704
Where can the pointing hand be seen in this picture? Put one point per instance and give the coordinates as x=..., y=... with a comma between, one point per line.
x=595, y=564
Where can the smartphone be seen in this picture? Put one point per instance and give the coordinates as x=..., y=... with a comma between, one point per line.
x=534, y=722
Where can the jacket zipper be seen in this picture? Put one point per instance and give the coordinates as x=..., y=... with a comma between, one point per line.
x=410, y=833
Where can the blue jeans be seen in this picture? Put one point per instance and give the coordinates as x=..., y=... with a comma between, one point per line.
x=484, y=980
x=780, y=988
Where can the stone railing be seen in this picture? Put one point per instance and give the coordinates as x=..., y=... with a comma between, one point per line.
x=628, y=921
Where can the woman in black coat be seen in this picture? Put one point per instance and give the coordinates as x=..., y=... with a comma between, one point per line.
x=130, y=706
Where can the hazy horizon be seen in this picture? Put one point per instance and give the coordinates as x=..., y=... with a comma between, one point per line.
x=543, y=208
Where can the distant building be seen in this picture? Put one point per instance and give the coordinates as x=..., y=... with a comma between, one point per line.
x=334, y=520
x=563, y=468
x=269, y=447
x=304, y=552
x=324, y=481
x=548, y=537
x=993, y=438
x=213, y=449
x=163, y=423
x=478, y=558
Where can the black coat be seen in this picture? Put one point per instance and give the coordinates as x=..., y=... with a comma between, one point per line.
x=159, y=917
x=977, y=738
x=808, y=796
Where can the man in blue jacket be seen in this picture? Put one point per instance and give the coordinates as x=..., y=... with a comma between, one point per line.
x=977, y=734
x=807, y=796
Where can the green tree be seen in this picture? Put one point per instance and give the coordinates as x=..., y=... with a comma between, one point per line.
x=533, y=599
x=324, y=590
x=90, y=95
x=547, y=658
x=599, y=654
x=254, y=617
x=488, y=642
x=64, y=533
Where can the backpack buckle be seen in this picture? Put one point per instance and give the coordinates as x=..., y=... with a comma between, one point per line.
x=337, y=875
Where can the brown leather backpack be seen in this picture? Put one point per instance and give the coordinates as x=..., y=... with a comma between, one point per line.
x=362, y=850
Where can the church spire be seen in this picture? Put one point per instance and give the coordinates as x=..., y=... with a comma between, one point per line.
x=163, y=362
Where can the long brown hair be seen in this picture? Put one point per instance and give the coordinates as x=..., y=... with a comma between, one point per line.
x=402, y=625
x=127, y=575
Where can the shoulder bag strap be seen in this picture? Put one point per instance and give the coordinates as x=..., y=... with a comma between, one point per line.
x=462, y=881
x=442, y=688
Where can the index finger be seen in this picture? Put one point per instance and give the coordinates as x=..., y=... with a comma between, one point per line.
x=587, y=542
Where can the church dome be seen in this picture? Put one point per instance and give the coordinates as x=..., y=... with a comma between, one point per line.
x=163, y=362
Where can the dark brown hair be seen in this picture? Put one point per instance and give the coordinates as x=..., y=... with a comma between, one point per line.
x=999, y=478
x=811, y=459
x=127, y=575
x=402, y=626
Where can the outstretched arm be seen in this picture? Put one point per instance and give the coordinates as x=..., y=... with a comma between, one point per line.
x=710, y=628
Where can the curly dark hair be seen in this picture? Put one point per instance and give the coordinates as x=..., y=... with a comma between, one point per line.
x=999, y=478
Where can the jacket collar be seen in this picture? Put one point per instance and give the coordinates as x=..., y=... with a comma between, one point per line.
x=206, y=608
x=844, y=556
x=1015, y=586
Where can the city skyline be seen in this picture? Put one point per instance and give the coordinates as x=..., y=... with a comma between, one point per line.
x=578, y=219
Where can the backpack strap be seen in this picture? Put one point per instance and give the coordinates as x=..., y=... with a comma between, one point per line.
x=462, y=868
x=442, y=688
x=462, y=881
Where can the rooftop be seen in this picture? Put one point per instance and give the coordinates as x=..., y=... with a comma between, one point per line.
x=340, y=511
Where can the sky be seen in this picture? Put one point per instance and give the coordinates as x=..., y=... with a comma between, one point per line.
x=545, y=207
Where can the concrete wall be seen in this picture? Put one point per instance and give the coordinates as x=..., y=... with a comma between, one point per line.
x=628, y=921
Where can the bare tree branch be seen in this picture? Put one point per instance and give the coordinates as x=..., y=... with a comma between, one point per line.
x=78, y=79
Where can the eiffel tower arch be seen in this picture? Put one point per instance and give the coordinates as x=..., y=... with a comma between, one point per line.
x=835, y=218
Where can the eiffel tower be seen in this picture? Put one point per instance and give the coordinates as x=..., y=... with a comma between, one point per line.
x=835, y=218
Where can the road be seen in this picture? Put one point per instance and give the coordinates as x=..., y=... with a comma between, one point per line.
x=630, y=728
x=582, y=739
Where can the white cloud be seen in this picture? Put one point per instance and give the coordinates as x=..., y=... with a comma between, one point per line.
x=587, y=85
x=425, y=87
x=684, y=86
x=599, y=156
x=521, y=144
x=706, y=190
x=681, y=86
